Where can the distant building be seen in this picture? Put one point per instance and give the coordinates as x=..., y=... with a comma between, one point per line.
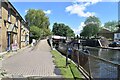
x=117, y=35
x=106, y=33
x=11, y=26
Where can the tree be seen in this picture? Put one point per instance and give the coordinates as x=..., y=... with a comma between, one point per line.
x=38, y=19
x=35, y=32
x=93, y=19
x=62, y=30
x=91, y=28
x=111, y=25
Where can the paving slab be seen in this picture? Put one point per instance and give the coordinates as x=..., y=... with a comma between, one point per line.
x=31, y=62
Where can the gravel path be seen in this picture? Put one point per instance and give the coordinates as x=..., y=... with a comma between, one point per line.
x=31, y=62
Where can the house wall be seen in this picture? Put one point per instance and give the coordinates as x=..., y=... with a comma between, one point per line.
x=107, y=35
x=24, y=36
x=117, y=36
x=19, y=33
x=0, y=28
x=4, y=26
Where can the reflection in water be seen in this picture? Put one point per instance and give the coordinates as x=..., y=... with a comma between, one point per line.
x=108, y=54
x=96, y=67
x=101, y=69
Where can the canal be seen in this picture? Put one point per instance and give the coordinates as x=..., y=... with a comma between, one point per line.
x=104, y=66
x=108, y=54
x=101, y=69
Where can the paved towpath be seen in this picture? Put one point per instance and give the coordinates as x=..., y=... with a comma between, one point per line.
x=31, y=62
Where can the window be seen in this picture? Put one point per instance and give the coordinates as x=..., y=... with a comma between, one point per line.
x=9, y=14
x=16, y=21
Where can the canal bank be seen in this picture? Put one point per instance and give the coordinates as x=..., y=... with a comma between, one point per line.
x=97, y=62
x=68, y=72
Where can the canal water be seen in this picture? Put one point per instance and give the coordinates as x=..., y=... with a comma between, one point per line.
x=101, y=69
x=108, y=54
x=96, y=67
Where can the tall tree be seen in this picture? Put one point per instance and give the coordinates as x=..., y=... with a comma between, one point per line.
x=93, y=19
x=35, y=31
x=111, y=25
x=90, y=30
x=91, y=27
x=62, y=30
x=38, y=19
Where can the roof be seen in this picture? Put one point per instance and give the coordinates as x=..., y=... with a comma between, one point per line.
x=7, y=1
x=118, y=31
x=105, y=31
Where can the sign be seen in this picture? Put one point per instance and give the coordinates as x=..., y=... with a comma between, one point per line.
x=69, y=50
x=14, y=47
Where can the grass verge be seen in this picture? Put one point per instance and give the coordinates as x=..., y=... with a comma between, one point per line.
x=67, y=72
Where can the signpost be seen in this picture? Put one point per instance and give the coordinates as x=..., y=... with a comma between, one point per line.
x=68, y=51
x=78, y=42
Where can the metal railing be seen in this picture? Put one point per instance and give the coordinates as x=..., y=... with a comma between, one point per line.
x=95, y=67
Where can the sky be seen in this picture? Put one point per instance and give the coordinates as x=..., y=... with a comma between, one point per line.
x=72, y=14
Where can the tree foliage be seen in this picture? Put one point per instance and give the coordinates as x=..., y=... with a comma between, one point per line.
x=62, y=30
x=90, y=30
x=111, y=25
x=39, y=20
x=93, y=19
x=35, y=32
x=91, y=27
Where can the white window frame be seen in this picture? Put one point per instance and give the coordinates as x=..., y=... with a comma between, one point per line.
x=16, y=21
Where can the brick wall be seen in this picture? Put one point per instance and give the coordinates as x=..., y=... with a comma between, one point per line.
x=0, y=28
x=4, y=26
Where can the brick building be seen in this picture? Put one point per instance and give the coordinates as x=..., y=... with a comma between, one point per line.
x=11, y=25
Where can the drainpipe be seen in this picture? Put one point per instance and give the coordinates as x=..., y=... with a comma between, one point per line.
x=8, y=41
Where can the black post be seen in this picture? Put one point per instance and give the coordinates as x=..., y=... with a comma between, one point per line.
x=67, y=57
x=66, y=52
x=78, y=41
x=118, y=74
x=78, y=50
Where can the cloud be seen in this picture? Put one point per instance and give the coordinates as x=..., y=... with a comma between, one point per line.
x=91, y=1
x=79, y=8
x=26, y=11
x=47, y=12
x=79, y=29
x=61, y=0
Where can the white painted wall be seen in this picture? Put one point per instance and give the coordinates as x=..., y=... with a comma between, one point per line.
x=116, y=36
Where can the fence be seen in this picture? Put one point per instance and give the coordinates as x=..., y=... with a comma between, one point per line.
x=94, y=66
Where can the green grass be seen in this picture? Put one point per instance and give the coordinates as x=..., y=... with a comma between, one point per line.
x=75, y=71
x=60, y=62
